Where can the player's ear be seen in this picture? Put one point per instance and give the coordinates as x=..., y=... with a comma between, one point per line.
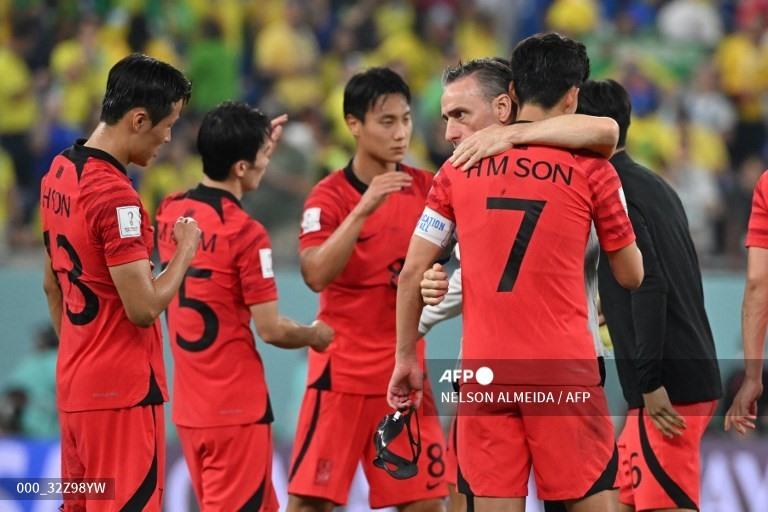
x=503, y=108
x=512, y=93
x=571, y=99
x=239, y=168
x=139, y=118
x=354, y=124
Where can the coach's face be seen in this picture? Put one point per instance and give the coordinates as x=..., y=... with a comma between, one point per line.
x=466, y=109
x=386, y=132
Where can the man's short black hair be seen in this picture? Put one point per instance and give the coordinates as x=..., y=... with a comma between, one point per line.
x=364, y=89
x=607, y=98
x=546, y=66
x=493, y=74
x=229, y=133
x=141, y=81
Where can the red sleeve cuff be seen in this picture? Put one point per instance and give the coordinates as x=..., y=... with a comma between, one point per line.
x=127, y=257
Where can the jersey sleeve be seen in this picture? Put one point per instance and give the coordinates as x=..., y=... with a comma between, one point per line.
x=322, y=215
x=609, y=207
x=253, y=260
x=757, y=232
x=438, y=221
x=116, y=220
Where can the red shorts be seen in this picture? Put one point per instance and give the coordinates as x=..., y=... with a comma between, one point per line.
x=657, y=472
x=451, y=470
x=231, y=466
x=335, y=433
x=498, y=444
x=125, y=444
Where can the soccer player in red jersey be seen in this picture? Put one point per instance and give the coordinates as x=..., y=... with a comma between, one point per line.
x=102, y=297
x=742, y=413
x=355, y=231
x=664, y=348
x=544, y=200
x=221, y=405
x=476, y=96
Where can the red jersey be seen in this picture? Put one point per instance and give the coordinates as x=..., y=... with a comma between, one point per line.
x=757, y=233
x=218, y=374
x=93, y=219
x=360, y=303
x=523, y=219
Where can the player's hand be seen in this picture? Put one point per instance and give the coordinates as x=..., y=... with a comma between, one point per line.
x=743, y=411
x=381, y=186
x=483, y=143
x=405, y=386
x=434, y=285
x=186, y=233
x=662, y=414
x=277, y=131
x=323, y=335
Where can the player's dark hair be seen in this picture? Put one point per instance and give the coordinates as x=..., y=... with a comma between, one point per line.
x=364, y=89
x=546, y=66
x=607, y=98
x=492, y=74
x=229, y=133
x=141, y=81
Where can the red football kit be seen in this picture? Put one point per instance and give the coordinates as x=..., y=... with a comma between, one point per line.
x=349, y=380
x=757, y=232
x=110, y=380
x=523, y=219
x=221, y=404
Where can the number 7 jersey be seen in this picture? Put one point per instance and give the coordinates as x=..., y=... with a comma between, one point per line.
x=218, y=373
x=523, y=220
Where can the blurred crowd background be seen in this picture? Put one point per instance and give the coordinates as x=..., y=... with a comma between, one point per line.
x=697, y=72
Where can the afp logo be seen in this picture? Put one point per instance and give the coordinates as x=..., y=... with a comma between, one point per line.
x=482, y=375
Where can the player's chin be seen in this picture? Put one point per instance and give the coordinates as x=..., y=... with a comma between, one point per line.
x=145, y=160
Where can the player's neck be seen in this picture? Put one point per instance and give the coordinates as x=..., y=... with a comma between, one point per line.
x=233, y=187
x=366, y=167
x=106, y=139
x=535, y=113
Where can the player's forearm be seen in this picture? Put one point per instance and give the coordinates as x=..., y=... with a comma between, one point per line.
x=409, y=305
x=55, y=300
x=53, y=296
x=289, y=334
x=320, y=265
x=576, y=131
x=166, y=285
x=754, y=319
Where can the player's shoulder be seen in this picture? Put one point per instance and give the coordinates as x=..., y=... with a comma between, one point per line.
x=422, y=179
x=246, y=231
x=102, y=184
x=330, y=187
x=762, y=183
x=171, y=202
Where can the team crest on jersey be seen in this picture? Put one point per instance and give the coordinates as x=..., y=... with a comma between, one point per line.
x=310, y=222
x=129, y=221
